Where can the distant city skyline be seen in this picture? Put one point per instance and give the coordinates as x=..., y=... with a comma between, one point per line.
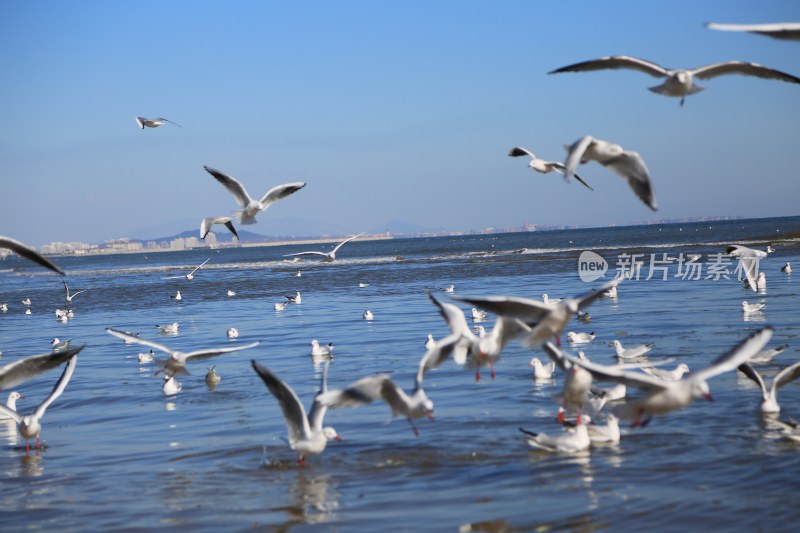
x=389, y=111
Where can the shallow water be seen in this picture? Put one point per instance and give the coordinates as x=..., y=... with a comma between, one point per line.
x=121, y=455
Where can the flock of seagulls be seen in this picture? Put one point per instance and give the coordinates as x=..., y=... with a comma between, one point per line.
x=533, y=323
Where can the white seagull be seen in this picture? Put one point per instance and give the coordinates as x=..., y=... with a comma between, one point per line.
x=430, y=342
x=368, y=315
x=69, y=296
x=766, y=356
x=59, y=345
x=631, y=353
x=626, y=164
x=190, y=275
x=26, y=301
x=545, y=321
x=251, y=207
x=176, y=362
x=327, y=257
x=168, y=329
x=776, y=30
x=605, y=434
x=293, y=298
x=542, y=372
x=171, y=386
x=306, y=434
x=28, y=253
x=146, y=357
x=787, y=268
x=11, y=403
x=769, y=397
x=668, y=375
x=380, y=386
x=153, y=122
x=679, y=82
x=280, y=306
x=570, y=441
x=22, y=370
x=30, y=425
x=232, y=333
x=321, y=351
x=207, y=223
x=580, y=338
x=748, y=261
x=542, y=166
x=478, y=315
x=660, y=396
x=177, y=296
x=212, y=377
x=748, y=308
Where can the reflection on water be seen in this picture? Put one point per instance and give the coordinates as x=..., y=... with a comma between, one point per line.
x=8, y=431
x=313, y=499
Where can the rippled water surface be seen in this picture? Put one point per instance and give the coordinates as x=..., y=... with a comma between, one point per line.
x=121, y=455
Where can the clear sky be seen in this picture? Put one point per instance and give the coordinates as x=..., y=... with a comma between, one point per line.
x=391, y=111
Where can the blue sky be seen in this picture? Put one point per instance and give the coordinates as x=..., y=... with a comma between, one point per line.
x=389, y=110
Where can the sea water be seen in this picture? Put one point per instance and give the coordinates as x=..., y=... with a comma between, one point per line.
x=120, y=455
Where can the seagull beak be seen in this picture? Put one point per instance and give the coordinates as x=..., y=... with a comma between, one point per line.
x=708, y=397
x=338, y=438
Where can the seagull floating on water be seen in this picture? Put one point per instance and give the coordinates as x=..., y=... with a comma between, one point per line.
x=306, y=434
x=631, y=353
x=146, y=357
x=327, y=257
x=478, y=315
x=368, y=315
x=580, y=338
x=668, y=375
x=58, y=344
x=571, y=441
x=168, y=329
x=26, y=301
x=542, y=372
x=171, y=386
x=28, y=253
x=787, y=268
x=320, y=351
x=212, y=377
x=748, y=308
x=294, y=298
x=280, y=306
x=769, y=397
x=177, y=296
x=766, y=356
x=679, y=82
x=153, y=122
x=626, y=164
x=231, y=293
x=232, y=333
x=30, y=426
x=251, y=207
x=542, y=166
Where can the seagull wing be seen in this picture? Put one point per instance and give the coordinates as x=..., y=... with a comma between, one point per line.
x=168, y=120
x=229, y=225
x=294, y=414
x=307, y=253
x=586, y=299
x=437, y=355
x=345, y=242
x=787, y=375
x=317, y=413
x=28, y=253
x=281, y=191
x=519, y=151
x=132, y=338
x=61, y=384
x=525, y=309
x=140, y=121
x=575, y=155
x=751, y=373
x=741, y=353
x=616, y=62
x=205, y=226
x=198, y=267
x=15, y=373
x=10, y=413
x=361, y=392
x=199, y=355
x=742, y=67
x=630, y=166
x=779, y=30
x=560, y=168
x=232, y=184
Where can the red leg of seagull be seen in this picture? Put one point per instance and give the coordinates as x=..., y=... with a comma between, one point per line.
x=478, y=374
x=416, y=431
x=27, y=446
x=491, y=368
x=558, y=341
x=301, y=461
x=636, y=423
x=560, y=416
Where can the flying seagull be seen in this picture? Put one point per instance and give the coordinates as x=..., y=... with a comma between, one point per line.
x=22, y=370
x=626, y=164
x=542, y=166
x=251, y=207
x=153, y=122
x=328, y=257
x=206, y=223
x=28, y=253
x=679, y=82
x=789, y=31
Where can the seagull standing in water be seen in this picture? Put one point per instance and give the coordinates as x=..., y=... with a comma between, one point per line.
x=542, y=166
x=381, y=387
x=30, y=426
x=250, y=206
x=153, y=122
x=678, y=83
x=626, y=164
x=306, y=434
x=176, y=362
x=28, y=253
x=327, y=257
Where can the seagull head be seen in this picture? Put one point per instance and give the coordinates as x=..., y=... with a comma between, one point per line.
x=700, y=390
x=330, y=434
